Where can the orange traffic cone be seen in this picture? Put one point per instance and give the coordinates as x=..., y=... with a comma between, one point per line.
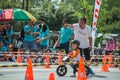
x=29, y=70
x=60, y=58
x=51, y=77
x=119, y=66
x=47, y=61
x=110, y=60
x=104, y=66
x=104, y=60
x=81, y=71
x=19, y=59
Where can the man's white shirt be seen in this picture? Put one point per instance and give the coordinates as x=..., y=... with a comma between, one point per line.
x=82, y=35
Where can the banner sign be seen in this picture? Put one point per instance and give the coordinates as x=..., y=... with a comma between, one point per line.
x=95, y=17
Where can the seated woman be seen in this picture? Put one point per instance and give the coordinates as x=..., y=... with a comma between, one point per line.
x=10, y=54
x=109, y=46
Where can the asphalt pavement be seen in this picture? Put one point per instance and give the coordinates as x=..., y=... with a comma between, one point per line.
x=40, y=73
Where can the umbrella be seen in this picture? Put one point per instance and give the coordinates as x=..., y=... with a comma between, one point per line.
x=15, y=15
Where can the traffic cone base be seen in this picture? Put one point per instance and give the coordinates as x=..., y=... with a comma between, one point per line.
x=82, y=76
x=47, y=66
x=110, y=65
x=104, y=68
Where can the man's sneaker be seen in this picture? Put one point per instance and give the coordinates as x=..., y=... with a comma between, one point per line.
x=73, y=75
x=91, y=72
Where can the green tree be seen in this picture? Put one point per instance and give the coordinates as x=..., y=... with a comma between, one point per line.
x=10, y=4
x=109, y=17
x=112, y=28
x=54, y=12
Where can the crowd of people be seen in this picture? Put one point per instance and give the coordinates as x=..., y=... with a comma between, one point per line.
x=35, y=38
x=31, y=38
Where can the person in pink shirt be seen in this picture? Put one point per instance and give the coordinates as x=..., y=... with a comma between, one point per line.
x=109, y=46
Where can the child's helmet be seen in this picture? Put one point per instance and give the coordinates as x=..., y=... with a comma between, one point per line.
x=76, y=42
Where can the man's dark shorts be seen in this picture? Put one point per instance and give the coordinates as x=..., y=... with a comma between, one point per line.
x=85, y=52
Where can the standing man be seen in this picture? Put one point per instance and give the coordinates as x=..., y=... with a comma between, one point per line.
x=83, y=33
x=30, y=31
x=64, y=36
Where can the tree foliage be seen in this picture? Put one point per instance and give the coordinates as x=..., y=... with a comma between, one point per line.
x=54, y=12
x=112, y=28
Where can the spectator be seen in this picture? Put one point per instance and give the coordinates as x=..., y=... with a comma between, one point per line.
x=4, y=35
x=38, y=28
x=3, y=48
x=22, y=34
x=10, y=54
x=9, y=33
x=44, y=35
x=29, y=30
x=37, y=37
x=19, y=43
x=65, y=35
x=109, y=47
x=117, y=50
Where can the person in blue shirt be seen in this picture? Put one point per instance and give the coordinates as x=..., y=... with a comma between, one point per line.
x=4, y=35
x=65, y=35
x=30, y=31
x=44, y=35
x=9, y=33
x=37, y=37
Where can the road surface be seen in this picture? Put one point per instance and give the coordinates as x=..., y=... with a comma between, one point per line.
x=40, y=73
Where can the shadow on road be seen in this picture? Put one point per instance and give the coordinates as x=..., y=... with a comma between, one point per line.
x=99, y=76
x=1, y=74
x=68, y=77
